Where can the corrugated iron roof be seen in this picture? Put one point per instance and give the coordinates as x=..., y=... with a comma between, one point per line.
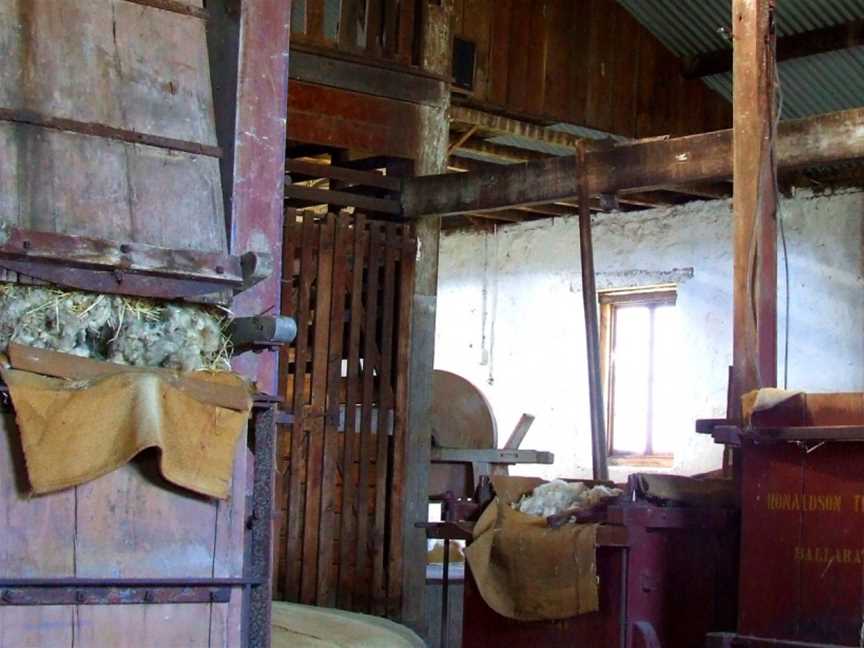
x=812, y=85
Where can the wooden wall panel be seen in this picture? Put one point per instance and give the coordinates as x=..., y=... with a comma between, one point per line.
x=122, y=65
x=360, y=122
x=585, y=62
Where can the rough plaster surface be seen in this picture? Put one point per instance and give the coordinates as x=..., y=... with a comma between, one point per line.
x=510, y=314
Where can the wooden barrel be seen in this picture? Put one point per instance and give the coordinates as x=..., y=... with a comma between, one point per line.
x=83, y=83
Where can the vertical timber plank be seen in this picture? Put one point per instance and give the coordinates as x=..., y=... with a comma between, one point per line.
x=287, y=359
x=350, y=477
x=365, y=545
x=315, y=426
x=430, y=159
x=385, y=408
x=297, y=495
x=327, y=588
x=34, y=543
x=397, y=489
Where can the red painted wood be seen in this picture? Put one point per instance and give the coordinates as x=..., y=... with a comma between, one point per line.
x=259, y=164
x=802, y=552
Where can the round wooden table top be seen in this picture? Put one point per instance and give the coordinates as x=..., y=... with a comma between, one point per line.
x=461, y=417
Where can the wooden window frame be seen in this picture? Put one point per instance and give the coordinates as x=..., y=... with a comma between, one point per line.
x=654, y=297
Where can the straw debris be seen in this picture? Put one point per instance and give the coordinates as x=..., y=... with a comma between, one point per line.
x=116, y=328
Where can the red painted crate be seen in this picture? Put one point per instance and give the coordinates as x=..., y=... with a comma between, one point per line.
x=802, y=529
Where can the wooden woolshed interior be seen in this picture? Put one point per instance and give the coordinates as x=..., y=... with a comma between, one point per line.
x=402, y=323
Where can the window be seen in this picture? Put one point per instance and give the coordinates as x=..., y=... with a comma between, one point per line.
x=640, y=338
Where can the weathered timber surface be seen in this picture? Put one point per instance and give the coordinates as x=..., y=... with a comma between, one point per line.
x=124, y=66
x=140, y=68
x=754, y=329
x=823, y=139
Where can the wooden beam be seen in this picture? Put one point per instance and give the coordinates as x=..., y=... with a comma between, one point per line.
x=834, y=137
x=754, y=329
x=339, y=71
x=435, y=52
x=810, y=43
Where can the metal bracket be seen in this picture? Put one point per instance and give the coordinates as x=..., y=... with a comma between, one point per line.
x=261, y=333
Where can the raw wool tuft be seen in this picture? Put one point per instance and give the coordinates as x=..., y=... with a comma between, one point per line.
x=125, y=330
x=558, y=496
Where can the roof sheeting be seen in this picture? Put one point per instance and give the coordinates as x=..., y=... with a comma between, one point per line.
x=811, y=85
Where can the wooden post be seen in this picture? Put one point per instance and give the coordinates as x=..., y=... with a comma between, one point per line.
x=592, y=329
x=431, y=159
x=259, y=161
x=755, y=198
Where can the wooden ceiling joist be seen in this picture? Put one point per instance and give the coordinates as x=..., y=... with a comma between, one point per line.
x=817, y=41
x=707, y=157
x=493, y=124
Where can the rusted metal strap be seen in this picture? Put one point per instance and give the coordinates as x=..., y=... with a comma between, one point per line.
x=31, y=118
x=174, y=6
x=118, y=591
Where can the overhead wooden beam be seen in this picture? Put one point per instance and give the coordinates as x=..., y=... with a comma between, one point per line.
x=834, y=137
x=754, y=330
x=348, y=73
x=817, y=41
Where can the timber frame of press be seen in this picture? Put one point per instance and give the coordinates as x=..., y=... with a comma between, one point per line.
x=803, y=143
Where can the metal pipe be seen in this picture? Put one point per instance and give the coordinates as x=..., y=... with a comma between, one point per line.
x=592, y=334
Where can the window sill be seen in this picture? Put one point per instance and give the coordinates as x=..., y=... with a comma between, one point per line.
x=642, y=461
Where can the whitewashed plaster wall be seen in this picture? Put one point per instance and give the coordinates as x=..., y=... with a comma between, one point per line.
x=510, y=314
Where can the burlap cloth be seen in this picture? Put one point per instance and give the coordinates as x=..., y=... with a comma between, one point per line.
x=73, y=431
x=526, y=570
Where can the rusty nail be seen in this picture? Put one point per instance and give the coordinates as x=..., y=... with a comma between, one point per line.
x=125, y=248
x=26, y=244
x=220, y=270
x=212, y=596
x=5, y=596
x=79, y=596
x=149, y=597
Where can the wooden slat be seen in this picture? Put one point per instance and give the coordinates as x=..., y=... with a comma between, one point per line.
x=385, y=406
x=499, y=55
x=315, y=20
x=312, y=196
x=365, y=544
x=350, y=476
x=297, y=496
x=407, y=16
x=374, y=27
x=400, y=420
x=329, y=529
x=349, y=176
x=350, y=22
x=315, y=459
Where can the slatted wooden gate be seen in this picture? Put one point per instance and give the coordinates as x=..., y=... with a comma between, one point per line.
x=349, y=282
